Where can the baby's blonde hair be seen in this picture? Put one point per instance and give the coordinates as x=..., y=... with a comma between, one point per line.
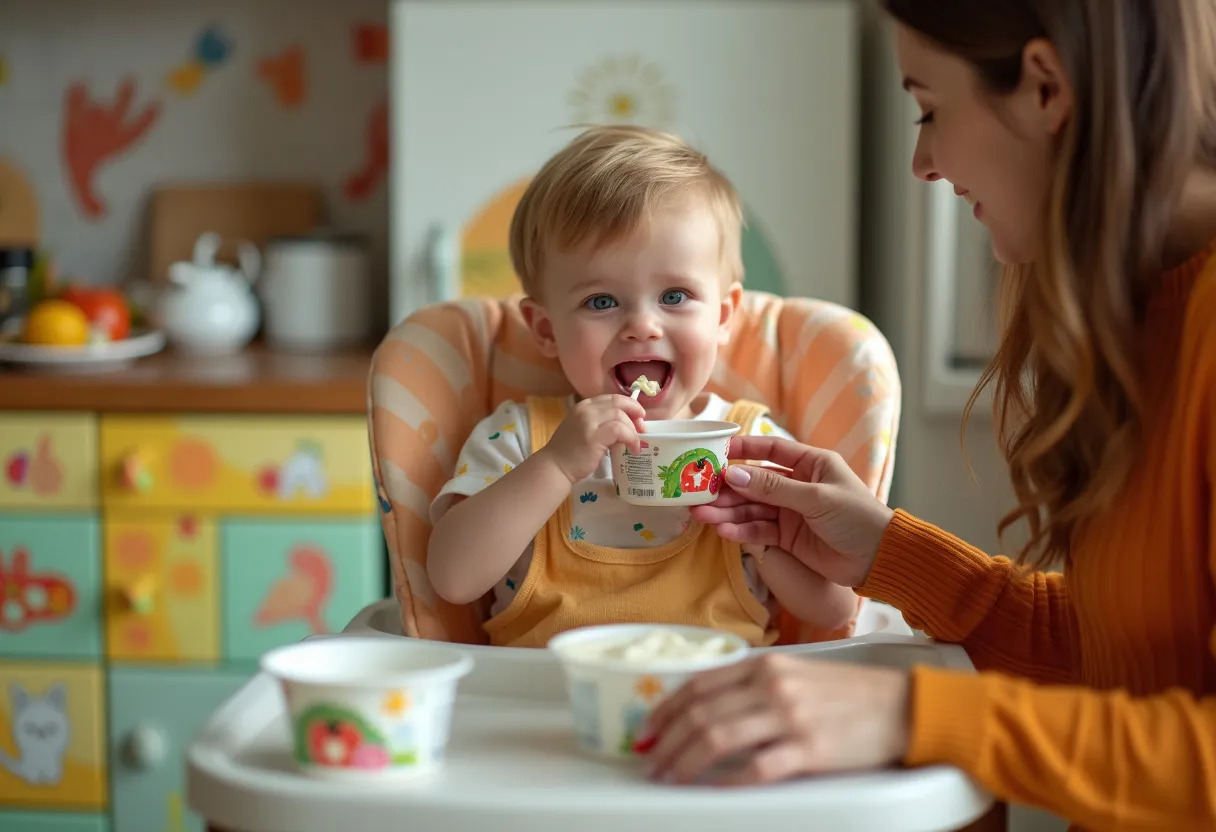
x=604, y=183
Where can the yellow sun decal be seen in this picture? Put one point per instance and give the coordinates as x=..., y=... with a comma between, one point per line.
x=396, y=703
x=623, y=89
x=649, y=688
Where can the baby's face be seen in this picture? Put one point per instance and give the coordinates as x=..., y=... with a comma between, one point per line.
x=655, y=303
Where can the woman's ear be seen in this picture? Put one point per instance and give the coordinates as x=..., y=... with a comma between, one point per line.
x=1046, y=78
x=540, y=325
x=729, y=306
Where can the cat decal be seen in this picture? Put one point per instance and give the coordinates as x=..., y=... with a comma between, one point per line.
x=41, y=730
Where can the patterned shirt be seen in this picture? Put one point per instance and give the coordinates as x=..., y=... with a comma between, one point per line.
x=501, y=441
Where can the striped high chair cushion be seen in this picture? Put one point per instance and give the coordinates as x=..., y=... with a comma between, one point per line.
x=826, y=372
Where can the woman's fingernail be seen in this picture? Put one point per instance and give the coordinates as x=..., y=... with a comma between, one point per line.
x=643, y=744
x=737, y=476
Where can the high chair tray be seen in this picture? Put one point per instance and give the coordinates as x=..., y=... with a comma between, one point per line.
x=512, y=765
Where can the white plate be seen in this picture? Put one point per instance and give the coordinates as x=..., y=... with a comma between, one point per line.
x=91, y=357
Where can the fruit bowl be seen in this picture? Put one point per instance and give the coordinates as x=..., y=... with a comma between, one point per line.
x=98, y=357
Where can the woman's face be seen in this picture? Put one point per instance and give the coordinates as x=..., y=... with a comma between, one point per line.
x=997, y=151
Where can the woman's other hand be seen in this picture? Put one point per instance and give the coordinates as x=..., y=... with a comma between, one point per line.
x=778, y=717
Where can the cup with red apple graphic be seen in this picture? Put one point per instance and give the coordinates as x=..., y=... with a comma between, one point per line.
x=367, y=709
x=681, y=463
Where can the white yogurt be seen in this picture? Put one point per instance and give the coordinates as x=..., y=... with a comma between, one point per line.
x=617, y=673
x=658, y=646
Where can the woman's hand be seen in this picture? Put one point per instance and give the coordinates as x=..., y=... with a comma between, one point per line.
x=778, y=717
x=819, y=511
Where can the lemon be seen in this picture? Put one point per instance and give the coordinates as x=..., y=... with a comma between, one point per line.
x=56, y=323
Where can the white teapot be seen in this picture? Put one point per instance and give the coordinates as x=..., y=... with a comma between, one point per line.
x=210, y=308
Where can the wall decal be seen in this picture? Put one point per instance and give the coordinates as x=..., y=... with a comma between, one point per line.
x=370, y=41
x=625, y=89
x=285, y=73
x=360, y=185
x=211, y=49
x=94, y=134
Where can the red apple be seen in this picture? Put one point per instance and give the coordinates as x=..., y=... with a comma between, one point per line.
x=18, y=465
x=268, y=479
x=333, y=742
x=105, y=308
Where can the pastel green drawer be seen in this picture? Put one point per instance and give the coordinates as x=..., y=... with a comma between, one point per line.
x=52, y=822
x=154, y=713
x=52, y=736
x=50, y=586
x=285, y=580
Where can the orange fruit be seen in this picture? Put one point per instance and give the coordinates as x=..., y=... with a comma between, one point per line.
x=56, y=323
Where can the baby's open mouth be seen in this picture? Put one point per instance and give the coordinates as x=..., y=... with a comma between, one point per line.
x=627, y=372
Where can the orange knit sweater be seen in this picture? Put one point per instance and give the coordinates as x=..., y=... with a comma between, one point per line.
x=1097, y=693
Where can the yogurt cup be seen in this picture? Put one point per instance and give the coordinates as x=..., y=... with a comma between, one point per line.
x=367, y=709
x=612, y=693
x=680, y=465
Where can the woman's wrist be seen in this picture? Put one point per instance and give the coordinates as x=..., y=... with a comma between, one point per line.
x=883, y=515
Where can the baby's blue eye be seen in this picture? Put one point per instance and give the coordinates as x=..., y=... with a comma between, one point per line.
x=674, y=297
x=600, y=302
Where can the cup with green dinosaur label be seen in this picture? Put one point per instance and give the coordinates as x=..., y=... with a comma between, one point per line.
x=680, y=464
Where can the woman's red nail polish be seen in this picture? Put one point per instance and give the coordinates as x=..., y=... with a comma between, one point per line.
x=645, y=744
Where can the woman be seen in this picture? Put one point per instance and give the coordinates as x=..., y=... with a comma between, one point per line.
x=1082, y=132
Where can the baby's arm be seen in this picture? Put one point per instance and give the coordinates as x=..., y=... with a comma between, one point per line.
x=804, y=593
x=479, y=538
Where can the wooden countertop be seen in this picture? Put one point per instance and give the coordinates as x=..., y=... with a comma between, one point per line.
x=257, y=380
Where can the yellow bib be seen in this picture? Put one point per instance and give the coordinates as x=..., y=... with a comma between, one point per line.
x=696, y=579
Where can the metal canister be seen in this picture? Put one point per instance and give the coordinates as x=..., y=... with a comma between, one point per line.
x=15, y=266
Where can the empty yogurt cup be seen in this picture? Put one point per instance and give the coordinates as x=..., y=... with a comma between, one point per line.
x=368, y=708
x=616, y=674
x=680, y=464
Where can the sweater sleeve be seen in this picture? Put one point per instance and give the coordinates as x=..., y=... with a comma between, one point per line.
x=1022, y=624
x=1105, y=760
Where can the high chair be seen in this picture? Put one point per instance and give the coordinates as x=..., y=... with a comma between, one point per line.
x=826, y=372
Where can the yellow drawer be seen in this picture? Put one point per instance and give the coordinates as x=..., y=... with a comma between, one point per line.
x=246, y=464
x=49, y=460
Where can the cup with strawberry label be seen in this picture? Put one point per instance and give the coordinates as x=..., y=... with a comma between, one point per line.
x=680, y=464
x=368, y=708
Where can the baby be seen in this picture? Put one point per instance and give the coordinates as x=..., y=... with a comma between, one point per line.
x=627, y=243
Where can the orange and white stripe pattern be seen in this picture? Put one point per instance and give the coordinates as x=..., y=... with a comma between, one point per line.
x=825, y=371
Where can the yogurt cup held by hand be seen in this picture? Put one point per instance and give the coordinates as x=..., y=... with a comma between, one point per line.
x=368, y=709
x=616, y=674
x=681, y=463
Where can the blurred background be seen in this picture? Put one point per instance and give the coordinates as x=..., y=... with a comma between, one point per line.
x=376, y=149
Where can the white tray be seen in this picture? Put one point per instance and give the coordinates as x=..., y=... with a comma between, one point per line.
x=512, y=765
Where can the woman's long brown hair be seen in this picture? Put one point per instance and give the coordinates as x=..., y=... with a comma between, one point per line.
x=1068, y=373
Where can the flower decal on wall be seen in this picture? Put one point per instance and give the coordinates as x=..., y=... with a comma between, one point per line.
x=623, y=89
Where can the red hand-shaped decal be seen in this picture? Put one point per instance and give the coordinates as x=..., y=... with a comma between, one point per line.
x=362, y=183
x=93, y=133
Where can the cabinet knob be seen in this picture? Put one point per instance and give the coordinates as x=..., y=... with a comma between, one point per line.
x=139, y=596
x=134, y=474
x=145, y=747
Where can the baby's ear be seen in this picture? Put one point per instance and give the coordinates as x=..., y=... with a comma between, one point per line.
x=541, y=326
x=731, y=299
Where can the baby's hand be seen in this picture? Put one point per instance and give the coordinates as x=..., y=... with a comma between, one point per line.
x=594, y=426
